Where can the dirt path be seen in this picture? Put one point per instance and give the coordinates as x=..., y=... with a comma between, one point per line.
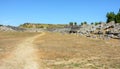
x=23, y=57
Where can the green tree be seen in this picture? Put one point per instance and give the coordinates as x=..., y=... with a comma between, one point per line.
x=100, y=22
x=92, y=23
x=85, y=22
x=96, y=23
x=81, y=23
x=75, y=23
x=117, y=17
x=71, y=23
x=1, y=25
x=110, y=16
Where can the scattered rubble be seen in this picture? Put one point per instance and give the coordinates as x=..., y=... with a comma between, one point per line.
x=102, y=30
x=6, y=28
x=18, y=29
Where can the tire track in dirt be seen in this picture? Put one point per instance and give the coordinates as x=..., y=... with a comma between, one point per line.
x=23, y=57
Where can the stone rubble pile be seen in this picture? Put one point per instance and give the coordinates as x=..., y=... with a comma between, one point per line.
x=60, y=30
x=6, y=28
x=18, y=29
x=102, y=30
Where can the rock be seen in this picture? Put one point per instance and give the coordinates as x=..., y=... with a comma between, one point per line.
x=6, y=28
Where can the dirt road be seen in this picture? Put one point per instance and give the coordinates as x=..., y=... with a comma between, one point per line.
x=23, y=57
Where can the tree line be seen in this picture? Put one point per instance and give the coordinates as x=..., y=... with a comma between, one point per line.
x=111, y=16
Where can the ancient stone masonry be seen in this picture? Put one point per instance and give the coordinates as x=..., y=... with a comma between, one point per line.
x=74, y=29
x=102, y=30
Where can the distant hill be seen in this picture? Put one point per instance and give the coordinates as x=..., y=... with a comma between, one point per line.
x=39, y=25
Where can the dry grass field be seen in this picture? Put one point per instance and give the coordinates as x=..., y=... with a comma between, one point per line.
x=9, y=40
x=63, y=51
x=57, y=51
x=10, y=45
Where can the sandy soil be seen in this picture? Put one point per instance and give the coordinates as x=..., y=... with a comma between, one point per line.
x=23, y=57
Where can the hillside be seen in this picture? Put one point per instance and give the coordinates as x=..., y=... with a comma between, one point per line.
x=40, y=25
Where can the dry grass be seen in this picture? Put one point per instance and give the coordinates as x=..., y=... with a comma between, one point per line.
x=59, y=51
x=64, y=51
x=9, y=41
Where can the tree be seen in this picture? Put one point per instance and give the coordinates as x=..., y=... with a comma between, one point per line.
x=71, y=23
x=110, y=17
x=85, y=22
x=92, y=23
x=1, y=25
x=96, y=23
x=100, y=22
x=81, y=23
x=117, y=17
x=75, y=23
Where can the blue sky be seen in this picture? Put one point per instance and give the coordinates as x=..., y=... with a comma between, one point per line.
x=16, y=12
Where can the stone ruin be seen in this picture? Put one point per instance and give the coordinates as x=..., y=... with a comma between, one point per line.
x=102, y=30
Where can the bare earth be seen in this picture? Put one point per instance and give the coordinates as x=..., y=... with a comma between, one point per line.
x=22, y=56
x=57, y=51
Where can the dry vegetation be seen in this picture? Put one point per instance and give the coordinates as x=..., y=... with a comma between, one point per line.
x=64, y=51
x=38, y=25
x=9, y=41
